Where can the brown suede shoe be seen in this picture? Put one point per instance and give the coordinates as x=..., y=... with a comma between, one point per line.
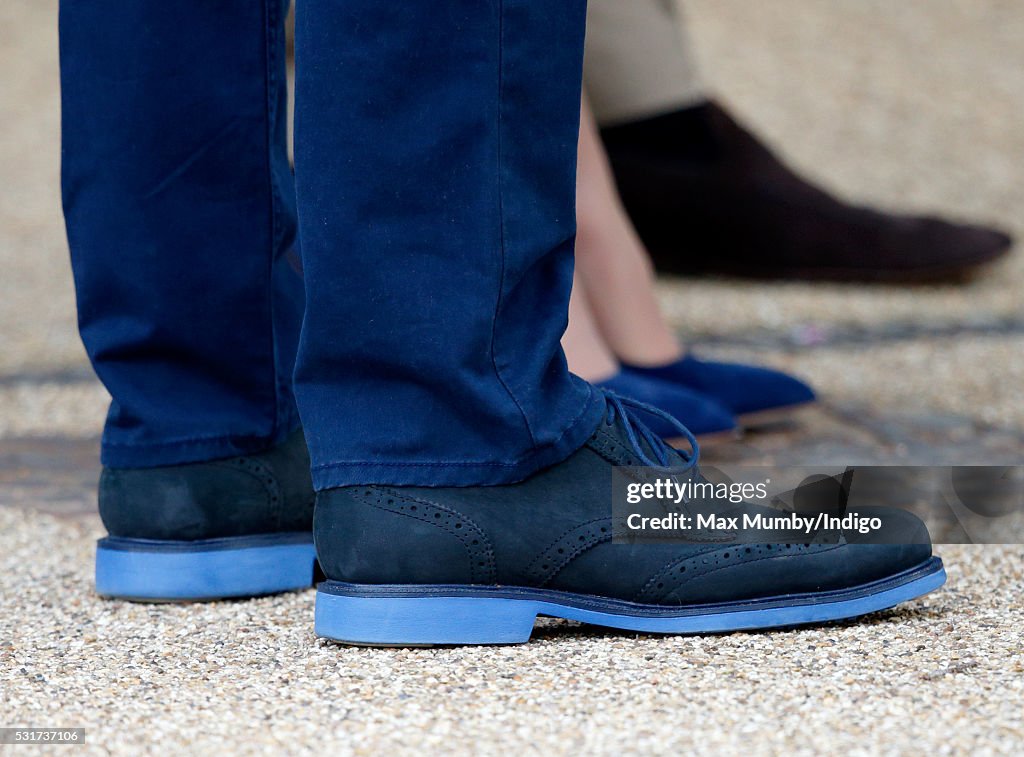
x=708, y=197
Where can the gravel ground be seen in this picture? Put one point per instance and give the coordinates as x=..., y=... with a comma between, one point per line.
x=942, y=675
x=981, y=378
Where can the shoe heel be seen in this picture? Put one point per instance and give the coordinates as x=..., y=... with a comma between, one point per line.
x=168, y=571
x=422, y=621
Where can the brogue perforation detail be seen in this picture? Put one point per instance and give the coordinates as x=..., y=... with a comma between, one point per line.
x=266, y=478
x=680, y=572
x=478, y=547
x=611, y=449
x=567, y=547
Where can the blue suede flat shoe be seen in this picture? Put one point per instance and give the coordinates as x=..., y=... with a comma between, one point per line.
x=702, y=415
x=236, y=527
x=751, y=393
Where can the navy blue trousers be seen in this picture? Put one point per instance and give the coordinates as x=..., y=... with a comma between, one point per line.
x=403, y=293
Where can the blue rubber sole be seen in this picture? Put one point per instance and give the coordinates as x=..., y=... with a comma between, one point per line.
x=428, y=615
x=177, y=571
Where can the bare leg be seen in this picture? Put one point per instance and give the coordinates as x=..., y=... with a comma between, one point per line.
x=588, y=355
x=613, y=267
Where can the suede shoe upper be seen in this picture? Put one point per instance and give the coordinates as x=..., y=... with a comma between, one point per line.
x=739, y=388
x=554, y=531
x=696, y=179
x=266, y=493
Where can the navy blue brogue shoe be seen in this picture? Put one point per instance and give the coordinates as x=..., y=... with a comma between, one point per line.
x=703, y=416
x=752, y=393
x=237, y=527
x=421, y=566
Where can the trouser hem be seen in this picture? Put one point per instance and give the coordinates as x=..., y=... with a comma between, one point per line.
x=192, y=450
x=454, y=473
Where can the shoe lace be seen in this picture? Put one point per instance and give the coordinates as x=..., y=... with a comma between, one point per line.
x=637, y=433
